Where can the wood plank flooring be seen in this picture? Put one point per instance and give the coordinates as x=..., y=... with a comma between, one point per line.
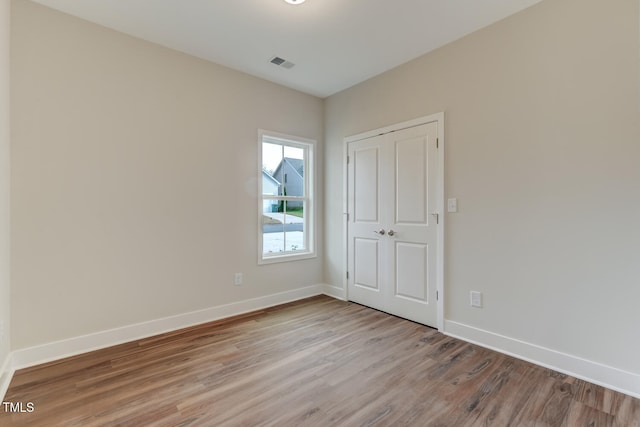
x=315, y=362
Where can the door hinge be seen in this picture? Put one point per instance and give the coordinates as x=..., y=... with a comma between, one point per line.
x=348, y=159
x=437, y=296
x=347, y=274
x=437, y=142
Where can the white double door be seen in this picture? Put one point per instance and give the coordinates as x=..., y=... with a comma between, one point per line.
x=392, y=226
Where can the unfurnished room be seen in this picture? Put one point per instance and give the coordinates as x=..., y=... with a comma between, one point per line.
x=319, y=213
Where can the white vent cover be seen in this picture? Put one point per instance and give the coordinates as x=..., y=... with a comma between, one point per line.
x=281, y=62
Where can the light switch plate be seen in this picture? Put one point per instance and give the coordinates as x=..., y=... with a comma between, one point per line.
x=476, y=299
x=452, y=205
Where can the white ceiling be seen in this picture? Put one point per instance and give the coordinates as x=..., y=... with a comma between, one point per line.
x=334, y=43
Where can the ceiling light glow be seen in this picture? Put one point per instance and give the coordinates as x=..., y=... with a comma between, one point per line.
x=295, y=1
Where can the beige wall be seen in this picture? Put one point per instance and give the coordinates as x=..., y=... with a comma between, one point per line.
x=4, y=181
x=134, y=179
x=543, y=154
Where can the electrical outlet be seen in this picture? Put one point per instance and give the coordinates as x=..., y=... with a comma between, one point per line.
x=476, y=299
x=238, y=279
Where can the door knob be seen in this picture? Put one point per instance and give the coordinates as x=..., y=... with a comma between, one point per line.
x=391, y=233
x=380, y=232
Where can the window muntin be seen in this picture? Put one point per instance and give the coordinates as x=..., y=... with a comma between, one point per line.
x=286, y=229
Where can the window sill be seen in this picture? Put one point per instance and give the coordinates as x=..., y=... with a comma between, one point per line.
x=286, y=258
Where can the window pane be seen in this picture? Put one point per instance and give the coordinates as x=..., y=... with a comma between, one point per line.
x=294, y=226
x=272, y=171
x=270, y=185
x=293, y=171
x=272, y=229
x=283, y=231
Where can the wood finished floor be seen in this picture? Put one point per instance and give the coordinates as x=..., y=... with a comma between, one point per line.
x=316, y=362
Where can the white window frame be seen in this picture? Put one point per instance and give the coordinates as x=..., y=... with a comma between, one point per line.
x=309, y=182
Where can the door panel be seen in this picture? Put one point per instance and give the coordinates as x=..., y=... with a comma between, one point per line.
x=365, y=255
x=411, y=181
x=365, y=164
x=411, y=271
x=392, y=234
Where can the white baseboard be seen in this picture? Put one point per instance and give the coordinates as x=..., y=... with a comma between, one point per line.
x=607, y=376
x=44, y=353
x=6, y=373
x=335, y=292
x=593, y=372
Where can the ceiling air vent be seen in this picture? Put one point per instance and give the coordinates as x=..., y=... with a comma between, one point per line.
x=280, y=62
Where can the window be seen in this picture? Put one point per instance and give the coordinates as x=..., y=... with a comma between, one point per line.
x=286, y=228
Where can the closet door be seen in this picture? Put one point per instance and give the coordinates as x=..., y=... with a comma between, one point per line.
x=392, y=247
